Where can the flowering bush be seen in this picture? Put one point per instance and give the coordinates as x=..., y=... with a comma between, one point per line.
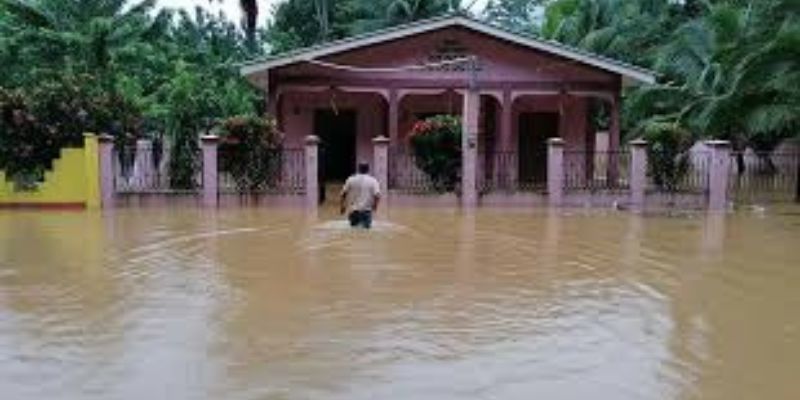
x=436, y=143
x=250, y=151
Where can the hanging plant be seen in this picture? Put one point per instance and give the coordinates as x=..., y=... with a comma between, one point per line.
x=436, y=144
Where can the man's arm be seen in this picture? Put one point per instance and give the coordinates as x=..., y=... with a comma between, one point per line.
x=376, y=196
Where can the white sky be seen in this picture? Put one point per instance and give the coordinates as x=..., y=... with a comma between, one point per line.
x=231, y=7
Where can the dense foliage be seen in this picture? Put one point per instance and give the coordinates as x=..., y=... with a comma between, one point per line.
x=251, y=152
x=112, y=66
x=436, y=143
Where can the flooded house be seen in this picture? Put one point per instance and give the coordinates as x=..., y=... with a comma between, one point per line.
x=513, y=91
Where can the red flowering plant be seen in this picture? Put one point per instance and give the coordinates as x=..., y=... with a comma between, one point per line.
x=250, y=151
x=436, y=144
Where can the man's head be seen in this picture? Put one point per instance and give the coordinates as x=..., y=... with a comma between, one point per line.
x=363, y=168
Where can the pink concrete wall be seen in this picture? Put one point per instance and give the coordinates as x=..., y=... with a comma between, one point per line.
x=297, y=117
x=574, y=107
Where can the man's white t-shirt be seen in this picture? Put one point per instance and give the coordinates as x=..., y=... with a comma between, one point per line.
x=361, y=191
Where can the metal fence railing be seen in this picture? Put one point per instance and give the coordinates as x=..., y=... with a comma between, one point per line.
x=764, y=176
x=406, y=176
x=282, y=173
x=147, y=168
x=596, y=171
x=507, y=172
x=685, y=173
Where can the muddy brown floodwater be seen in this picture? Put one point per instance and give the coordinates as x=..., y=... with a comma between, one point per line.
x=435, y=304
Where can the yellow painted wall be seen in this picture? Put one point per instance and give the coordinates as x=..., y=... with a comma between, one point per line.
x=74, y=179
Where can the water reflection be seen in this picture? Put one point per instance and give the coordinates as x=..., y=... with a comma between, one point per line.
x=437, y=304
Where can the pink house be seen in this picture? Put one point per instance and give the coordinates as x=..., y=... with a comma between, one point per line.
x=513, y=91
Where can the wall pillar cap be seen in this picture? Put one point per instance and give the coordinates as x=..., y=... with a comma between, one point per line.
x=717, y=143
x=89, y=135
x=638, y=142
x=380, y=140
x=312, y=140
x=209, y=138
x=105, y=138
x=555, y=141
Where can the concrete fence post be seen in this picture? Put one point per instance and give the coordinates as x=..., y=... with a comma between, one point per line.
x=209, y=145
x=638, y=173
x=469, y=148
x=106, y=150
x=555, y=171
x=381, y=167
x=312, y=172
x=719, y=173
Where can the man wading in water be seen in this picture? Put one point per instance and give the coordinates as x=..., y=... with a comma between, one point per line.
x=360, y=197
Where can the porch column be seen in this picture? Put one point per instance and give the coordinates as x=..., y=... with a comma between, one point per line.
x=394, y=116
x=563, y=114
x=613, y=141
x=381, y=168
x=719, y=174
x=312, y=172
x=555, y=171
x=505, y=168
x=106, y=149
x=469, y=148
x=210, y=183
x=638, y=173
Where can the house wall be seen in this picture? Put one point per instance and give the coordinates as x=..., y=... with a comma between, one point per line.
x=297, y=110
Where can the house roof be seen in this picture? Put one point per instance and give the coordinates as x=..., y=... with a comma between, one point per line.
x=631, y=74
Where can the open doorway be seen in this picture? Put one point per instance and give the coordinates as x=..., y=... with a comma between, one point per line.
x=534, y=129
x=337, y=133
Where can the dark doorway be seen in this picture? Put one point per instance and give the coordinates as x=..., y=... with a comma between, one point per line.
x=533, y=131
x=337, y=133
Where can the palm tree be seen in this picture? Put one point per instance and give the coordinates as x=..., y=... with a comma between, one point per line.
x=250, y=11
x=96, y=30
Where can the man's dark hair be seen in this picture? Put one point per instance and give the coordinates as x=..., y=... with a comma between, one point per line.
x=363, y=168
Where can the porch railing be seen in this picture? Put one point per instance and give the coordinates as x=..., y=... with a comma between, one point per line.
x=596, y=171
x=282, y=174
x=764, y=176
x=147, y=168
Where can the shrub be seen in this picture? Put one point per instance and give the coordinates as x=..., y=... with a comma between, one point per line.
x=250, y=151
x=668, y=154
x=36, y=123
x=436, y=143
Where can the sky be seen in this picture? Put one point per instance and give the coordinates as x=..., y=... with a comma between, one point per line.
x=231, y=7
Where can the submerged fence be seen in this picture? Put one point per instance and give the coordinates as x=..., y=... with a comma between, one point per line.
x=679, y=173
x=596, y=170
x=405, y=175
x=508, y=172
x=282, y=173
x=148, y=167
x=708, y=175
x=759, y=177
